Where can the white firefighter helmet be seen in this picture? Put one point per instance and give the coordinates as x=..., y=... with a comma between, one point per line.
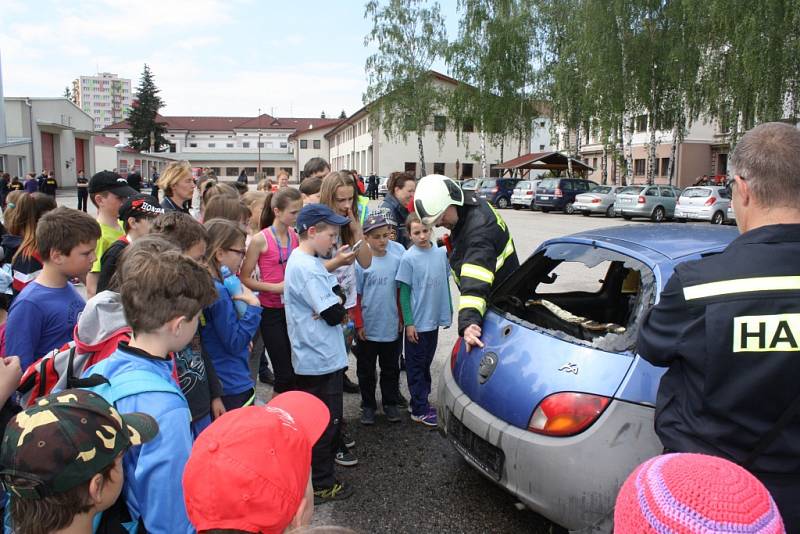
x=433, y=195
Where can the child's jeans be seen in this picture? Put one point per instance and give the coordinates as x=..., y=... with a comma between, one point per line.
x=419, y=357
x=328, y=389
x=198, y=425
x=385, y=354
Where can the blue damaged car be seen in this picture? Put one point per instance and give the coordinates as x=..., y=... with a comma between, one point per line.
x=557, y=407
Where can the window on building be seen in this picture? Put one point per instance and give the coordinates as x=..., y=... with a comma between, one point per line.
x=216, y=170
x=541, y=148
x=466, y=170
x=232, y=171
x=211, y=136
x=284, y=144
x=438, y=168
x=172, y=135
x=192, y=145
x=250, y=170
x=270, y=171
x=245, y=135
x=468, y=126
x=541, y=124
x=640, y=123
x=664, y=167
x=411, y=167
x=228, y=145
x=245, y=145
x=212, y=145
x=317, y=144
x=2, y=164
x=638, y=167
x=439, y=123
x=20, y=165
x=173, y=148
x=303, y=143
x=594, y=163
x=192, y=136
x=260, y=144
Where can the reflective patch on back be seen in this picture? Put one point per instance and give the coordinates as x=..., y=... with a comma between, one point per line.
x=767, y=333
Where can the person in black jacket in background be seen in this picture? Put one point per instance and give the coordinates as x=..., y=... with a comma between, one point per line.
x=483, y=252
x=135, y=180
x=727, y=327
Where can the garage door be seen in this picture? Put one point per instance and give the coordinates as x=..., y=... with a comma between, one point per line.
x=48, y=155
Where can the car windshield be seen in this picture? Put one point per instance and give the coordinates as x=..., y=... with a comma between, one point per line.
x=549, y=183
x=579, y=293
x=468, y=184
x=488, y=183
x=523, y=185
x=601, y=190
x=697, y=192
x=633, y=190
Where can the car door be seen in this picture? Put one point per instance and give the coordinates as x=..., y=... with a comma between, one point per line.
x=668, y=200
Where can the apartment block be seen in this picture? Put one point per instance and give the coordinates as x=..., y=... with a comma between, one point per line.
x=106, y=97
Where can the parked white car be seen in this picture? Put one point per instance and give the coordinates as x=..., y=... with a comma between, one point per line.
x=523, y=194
x=599, y=200
x=703, y=203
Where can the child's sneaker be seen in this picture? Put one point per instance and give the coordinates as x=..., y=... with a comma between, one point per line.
x=367, y=416
x=392, y=414
x=348, y=440
x=338, y=492
x=346, y=458
x=428, y=419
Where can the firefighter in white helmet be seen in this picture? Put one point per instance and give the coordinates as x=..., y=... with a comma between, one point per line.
x=483, y=252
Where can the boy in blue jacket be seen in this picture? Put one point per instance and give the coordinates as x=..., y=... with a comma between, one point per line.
x=162, y=296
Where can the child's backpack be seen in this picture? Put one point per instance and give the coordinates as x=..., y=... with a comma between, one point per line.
x=60, y=368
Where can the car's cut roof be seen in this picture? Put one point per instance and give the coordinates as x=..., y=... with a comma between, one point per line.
x=671, y=240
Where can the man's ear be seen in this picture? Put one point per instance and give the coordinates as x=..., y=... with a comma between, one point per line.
x=96, y=489
x=743, y=190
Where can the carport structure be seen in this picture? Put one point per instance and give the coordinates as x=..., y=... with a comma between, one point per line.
x=548, y=161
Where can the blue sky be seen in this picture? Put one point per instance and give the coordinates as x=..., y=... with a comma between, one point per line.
x=210, y=57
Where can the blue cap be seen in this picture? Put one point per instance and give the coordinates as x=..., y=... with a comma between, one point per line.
x=375, y=220
x=312, y=214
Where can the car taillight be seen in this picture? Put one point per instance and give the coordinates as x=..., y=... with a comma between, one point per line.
x=528, y=193
x=595, y=201
x=495, y=189
x=558, y=192
x=641, y=199
x=567, y=414
x=454, y=354
x=710, y=201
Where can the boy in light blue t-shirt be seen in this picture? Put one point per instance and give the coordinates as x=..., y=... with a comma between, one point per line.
x=424, y=275
x=315, y=311
x=378, y=322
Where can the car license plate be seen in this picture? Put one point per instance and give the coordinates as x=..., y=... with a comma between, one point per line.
x=625, y=201
x=488, y=457
x=544, y=197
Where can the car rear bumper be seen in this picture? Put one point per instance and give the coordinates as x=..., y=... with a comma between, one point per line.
x=591, y=208
x=572, y=481
x=556, y=203
x=522, y=201
x=697, y=214
x=632, y=211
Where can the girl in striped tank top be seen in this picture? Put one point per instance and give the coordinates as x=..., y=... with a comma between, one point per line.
x=269, y=250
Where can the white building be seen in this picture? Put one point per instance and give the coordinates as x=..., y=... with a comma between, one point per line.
x=360, y=143
x=228, y=145
x=311, y=143
x=106, y=97
x=47, y=134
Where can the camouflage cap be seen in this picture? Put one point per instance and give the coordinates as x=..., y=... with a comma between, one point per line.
x=66, y=439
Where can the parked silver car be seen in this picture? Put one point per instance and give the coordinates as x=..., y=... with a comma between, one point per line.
x=598, y=200
x=730, y=216
x=382, y=185
x=705, y=203
x=655, y=202
x=523, y=194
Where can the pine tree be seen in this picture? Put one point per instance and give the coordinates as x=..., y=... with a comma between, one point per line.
x=67, y=93
x=322, y=115
x=342, y=115
x=143, y=119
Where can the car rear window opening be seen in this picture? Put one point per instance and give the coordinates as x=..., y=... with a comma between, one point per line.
x=583, y=294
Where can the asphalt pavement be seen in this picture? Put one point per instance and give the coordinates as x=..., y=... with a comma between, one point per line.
x=409, y=478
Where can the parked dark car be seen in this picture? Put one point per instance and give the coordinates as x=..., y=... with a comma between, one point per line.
x=558, y=194
x=498, y=191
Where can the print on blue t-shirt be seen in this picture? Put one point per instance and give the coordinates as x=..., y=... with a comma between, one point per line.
x=427, y=271
x=41, y=319
x=317, y=348
x=378, y=290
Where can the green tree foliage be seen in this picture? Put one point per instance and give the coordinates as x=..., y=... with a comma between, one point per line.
x=402, y=95
x=144, y=126
x=492, y=56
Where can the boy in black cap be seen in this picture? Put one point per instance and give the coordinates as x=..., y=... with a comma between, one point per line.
x=314, y=315
x=107, y=191
x=136, y=214
x=62, y=460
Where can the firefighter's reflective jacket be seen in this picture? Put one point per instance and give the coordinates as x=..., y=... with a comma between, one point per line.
x=728, y=328
x=483, y=255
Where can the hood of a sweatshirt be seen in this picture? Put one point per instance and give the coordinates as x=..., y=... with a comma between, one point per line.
x=102, y=318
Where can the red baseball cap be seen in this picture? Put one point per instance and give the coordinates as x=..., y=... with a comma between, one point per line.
x=249, y=469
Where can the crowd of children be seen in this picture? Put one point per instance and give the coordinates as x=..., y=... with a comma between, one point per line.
x=178, y=308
